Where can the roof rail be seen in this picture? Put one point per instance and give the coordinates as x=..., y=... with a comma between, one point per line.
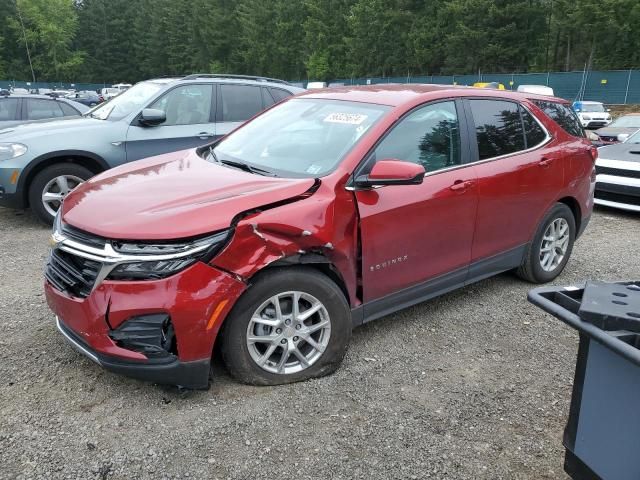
x=233, y=76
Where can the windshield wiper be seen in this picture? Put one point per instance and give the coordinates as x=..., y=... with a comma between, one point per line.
x=240, y=165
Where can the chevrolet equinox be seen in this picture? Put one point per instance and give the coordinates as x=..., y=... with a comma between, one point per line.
x=329, y=210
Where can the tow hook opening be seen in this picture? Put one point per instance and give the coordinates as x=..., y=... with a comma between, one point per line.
x=152, y=335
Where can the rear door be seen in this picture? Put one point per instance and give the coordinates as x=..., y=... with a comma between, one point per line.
x=519, y=178
x=238, y=103
x=190, y=112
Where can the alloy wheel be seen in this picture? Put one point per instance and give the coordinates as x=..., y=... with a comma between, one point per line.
x=56, y=189
x=555, y=242
x=288, y=333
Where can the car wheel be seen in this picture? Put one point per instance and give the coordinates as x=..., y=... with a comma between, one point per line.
x=291, y=325
x=551, y=247
x=49, y=188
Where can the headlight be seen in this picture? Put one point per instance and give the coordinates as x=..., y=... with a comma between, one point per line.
x=11, y=150
x=586, y=117
x=150, y=261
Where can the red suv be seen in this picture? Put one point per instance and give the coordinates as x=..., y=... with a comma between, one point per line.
x=327, y=211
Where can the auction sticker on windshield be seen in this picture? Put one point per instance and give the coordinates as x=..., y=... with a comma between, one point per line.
x=348, y=118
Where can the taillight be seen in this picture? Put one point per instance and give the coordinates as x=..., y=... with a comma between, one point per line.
x=593, y=150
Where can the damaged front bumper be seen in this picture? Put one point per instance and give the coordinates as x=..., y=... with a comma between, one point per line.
x=162, y=331
x=193, y=375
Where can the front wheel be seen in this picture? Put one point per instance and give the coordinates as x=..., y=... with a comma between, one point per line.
x=50, y=186
x=551, y=246
x=291, y=325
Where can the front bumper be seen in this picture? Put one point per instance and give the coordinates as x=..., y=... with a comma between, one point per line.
x=196, y=300
x=618, y=192
x=193, y=375
x=10, y=195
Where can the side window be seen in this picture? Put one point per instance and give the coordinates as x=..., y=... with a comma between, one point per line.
x=68, y=110
x=278, y=94
x=8, y=109
x=498, y=127
x=563, y=116
x=39, y=108
x=534, y=134
x=186, y=105
x=429, y=136
x=267, y=99
x=240, y=102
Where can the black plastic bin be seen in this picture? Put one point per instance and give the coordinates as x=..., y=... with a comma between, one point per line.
x=602, y=436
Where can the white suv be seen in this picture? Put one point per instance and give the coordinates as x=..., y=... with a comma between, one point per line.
x=592, y=114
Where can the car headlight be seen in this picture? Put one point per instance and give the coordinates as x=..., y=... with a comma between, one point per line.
x=152, y=261
x=11, y=150
x=586, y=117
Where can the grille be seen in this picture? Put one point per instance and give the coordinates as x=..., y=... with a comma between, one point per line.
x=71, y=274
x=83, y=237
x=618, y=197
x=618, y=172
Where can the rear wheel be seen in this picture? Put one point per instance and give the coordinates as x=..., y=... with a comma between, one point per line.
x=291, y=325
x=551, y=246
x=50, y=186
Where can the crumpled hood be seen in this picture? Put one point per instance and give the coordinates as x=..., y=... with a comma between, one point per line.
x=177, y=195
x=39, y=128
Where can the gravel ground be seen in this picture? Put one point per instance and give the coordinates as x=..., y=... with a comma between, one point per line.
x=473, y=385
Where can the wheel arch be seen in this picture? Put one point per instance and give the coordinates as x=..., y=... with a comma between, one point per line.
x=574, y=206
x=93, y=162
x=315, y=261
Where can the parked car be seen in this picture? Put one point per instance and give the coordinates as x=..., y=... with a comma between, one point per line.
x=59, y=93
x=624, y=125
x=19, y=91
x=153, y=117
x=618, y=175
x=494, y=85
x=316, y=85
x=122, y=86
x=4, y=92
x=539, y=89
x=23, y=109
x=86, y=97
x=329, y=210
x=592, y=114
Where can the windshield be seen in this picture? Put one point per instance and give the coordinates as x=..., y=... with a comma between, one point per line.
x=592, y=108
x=628, y=121
x=127, y=102
x=301, y=137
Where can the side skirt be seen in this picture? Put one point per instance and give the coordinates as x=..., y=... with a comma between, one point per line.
x=435, y=287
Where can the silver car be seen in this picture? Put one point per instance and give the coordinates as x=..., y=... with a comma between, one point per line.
x=40, y=163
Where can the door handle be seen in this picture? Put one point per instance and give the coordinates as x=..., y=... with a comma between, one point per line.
x=459, y=186
x=545, y=162
x=204, y=135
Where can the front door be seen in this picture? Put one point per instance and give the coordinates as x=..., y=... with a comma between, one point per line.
x=190, y=123
x=414, y=233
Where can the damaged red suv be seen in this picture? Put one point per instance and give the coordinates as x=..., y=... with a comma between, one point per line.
x=327, y=211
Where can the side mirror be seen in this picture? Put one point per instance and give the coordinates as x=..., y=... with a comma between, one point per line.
x=150, y=117
x=623, y=137
x=392, y=172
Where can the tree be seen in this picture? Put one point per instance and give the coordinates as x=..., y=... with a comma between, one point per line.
x=50, y=27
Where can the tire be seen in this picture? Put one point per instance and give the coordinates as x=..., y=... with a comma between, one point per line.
x=75, y=174
x=536, y=267
x=241, y=356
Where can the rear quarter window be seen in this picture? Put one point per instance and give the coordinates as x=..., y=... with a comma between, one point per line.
x=563, y=115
